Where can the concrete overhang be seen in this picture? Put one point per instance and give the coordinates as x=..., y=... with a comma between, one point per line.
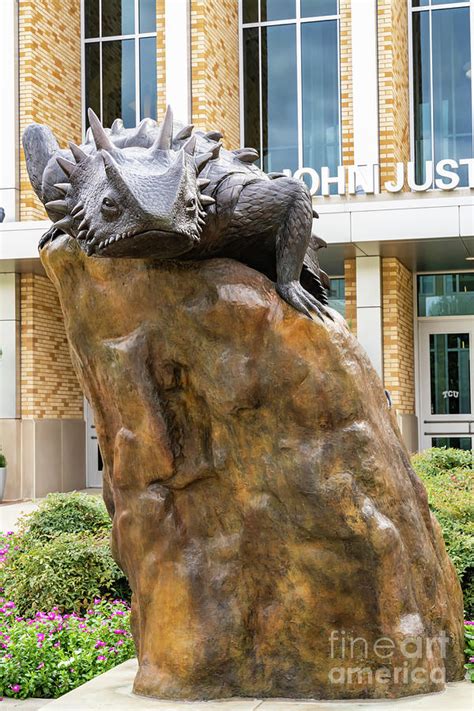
x=432, y=231
x=19, y=246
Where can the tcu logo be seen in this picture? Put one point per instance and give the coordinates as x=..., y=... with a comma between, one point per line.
x=450, y=393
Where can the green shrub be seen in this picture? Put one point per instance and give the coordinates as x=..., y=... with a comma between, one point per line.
x=3, y=460
x=66, y=513
x=469, y=649
x=67, y=571
x=448, y=476
x=51, y=654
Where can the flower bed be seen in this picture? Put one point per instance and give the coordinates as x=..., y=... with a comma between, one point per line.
x=52, y=653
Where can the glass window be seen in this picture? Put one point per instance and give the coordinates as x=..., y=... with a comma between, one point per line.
x=337, y=295
x=286, y=60
x=120, y=60
x=441, y=84
x=454, y=442
x=118, y=17
x=279, y=98
x=277, y=10
x=317, y=8
x=446, y=294
x=449, y=374
x=320, y=84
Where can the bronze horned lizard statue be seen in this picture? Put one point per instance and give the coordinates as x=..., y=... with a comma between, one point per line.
x=151, y=192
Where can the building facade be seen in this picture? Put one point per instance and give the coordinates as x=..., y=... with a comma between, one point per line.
x=369, y=101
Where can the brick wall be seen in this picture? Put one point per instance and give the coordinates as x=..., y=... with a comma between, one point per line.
x=394, y=112
x=398, y=335
x=215, y=68
x=345, y=43
x=350, y=293
x=50, y=78
x=49, y=387
x=160, y=58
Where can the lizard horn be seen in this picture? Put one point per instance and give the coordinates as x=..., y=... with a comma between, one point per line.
x=113, y=172
x=165, y=136
x=102, y=141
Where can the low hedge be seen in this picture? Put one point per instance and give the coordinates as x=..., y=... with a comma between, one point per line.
x=448, y=476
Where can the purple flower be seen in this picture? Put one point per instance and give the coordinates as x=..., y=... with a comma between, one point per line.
x=468, y=622
x=15, y=688
x=40, y=665
x=120, y=632
x=97, y=601
x=101, y=658
x=40, y=637
x=9, y=533
x=99, y=643
x=10, y=604
x=57, y=644
x=471, y=659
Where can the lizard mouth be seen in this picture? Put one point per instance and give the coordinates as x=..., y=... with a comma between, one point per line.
x=159, y=244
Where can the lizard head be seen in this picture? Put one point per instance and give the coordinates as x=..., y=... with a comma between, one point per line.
x=135, y=201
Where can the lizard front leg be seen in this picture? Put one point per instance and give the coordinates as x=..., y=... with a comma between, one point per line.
x=292, y=240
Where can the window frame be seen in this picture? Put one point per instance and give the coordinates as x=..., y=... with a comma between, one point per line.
x=100, y=40
x=430, y=8
x=298, y=21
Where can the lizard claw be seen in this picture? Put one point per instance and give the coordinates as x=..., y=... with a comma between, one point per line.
x=49, y=236
x=301, y=300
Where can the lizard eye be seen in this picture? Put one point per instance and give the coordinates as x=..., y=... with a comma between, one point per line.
x=109, y=206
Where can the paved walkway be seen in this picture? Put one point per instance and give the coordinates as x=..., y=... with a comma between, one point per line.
x=26, y=705
x=112, y=691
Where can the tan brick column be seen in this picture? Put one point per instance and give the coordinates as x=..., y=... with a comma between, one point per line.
x=350, y=293
x=394, y=112
x=345, y=44
x=215, y=68
x=398, y=334
x=50, y=78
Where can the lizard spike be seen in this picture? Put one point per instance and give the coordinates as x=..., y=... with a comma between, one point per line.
x=202, y=160
x=207, y=200
x=274, y=176
x=113, y=172
x=89, y=136
x=66, y=165
x=80, y=215
x=83, y=225
x=165, y=136
x=59, y=206
x=101, y=139
x=77, y=208
x=190, y=146
x=315, y=214
x=246, y=155
x=215, y=150
x=62, y=187
x=184, y=133
x=213, y=135
x=203, y=183
x=63, y=224
x=117, y=126
x=78, y=153
x=82, y=234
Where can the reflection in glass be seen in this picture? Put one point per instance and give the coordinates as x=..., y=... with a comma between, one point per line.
x=454, y=442
x=318, y=8
x=148, y=77
x=422, y=92
x=118, y=17
x=251, y=89
x=320, y=81
x=452, y=86
x=249, y=11
x=279, y=98
x=118, y=65
x=147, y=15
x=449, y=373
x=446, y=294
x=337, y=295
x=91, y=18
x=277, y=10
x=92, y=78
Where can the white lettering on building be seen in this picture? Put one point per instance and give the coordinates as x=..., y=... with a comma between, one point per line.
x=365, y=179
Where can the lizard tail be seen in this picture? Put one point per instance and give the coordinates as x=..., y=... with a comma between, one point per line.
x=39, y=145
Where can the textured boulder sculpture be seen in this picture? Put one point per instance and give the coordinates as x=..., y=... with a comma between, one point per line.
x=276, y=539
x=263, y=503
